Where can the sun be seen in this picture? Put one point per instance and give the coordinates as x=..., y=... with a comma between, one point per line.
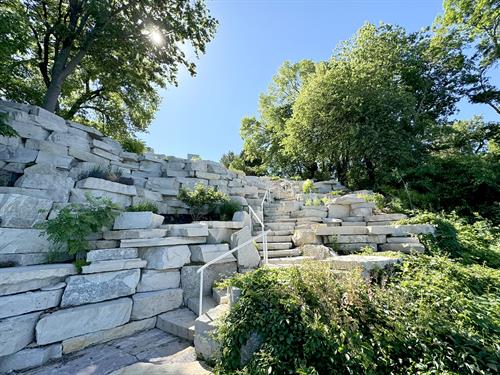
x=156, y=37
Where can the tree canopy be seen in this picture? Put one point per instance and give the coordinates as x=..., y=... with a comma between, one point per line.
x=99, y=61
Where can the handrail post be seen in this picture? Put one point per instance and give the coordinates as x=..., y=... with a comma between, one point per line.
x=264, y=239
x=200, y=310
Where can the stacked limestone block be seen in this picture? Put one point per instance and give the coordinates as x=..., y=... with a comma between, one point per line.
x=47, y=167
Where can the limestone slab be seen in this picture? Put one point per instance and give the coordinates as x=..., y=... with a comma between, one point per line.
x=247, y=256
x=167, y=241
x=360, y=238
x=190, y=278
x=402, y=230
x=149, y=304
x=187, y=230
x=348, y=199
x=22, y=241
x=22, y=303
x=29, y=358
x=328, y=231
x=112, y=254
x=83, y=289
x=100, y=184
x=80, y=342
x=386, y=217
x=114, y=265
x=135, y=234
x=77, y=321
x=338, y=210
x=166, y=257
x=21, y=279
x=162, y=184
x=16, y=332
x=138, y=220
x=57, y=186
x=152, y=280
x=208, y=252
x=22, y=211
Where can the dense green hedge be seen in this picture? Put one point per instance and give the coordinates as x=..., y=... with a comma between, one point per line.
x=430, y=315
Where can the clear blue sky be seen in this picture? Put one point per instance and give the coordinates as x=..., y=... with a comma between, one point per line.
x=202, y=115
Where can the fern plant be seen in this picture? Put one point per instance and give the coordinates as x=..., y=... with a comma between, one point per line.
x=69, y=231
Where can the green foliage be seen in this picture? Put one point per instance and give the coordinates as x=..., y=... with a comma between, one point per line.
x=144, y=206
x=202, y=200
x=470, y=243
x=227, y=208
x=76, y=57
x=68, y=232
x=5, y=129
x=308, y=187
x=134, y=145
x=316, y=202
x=376, y=198
x=430, y=316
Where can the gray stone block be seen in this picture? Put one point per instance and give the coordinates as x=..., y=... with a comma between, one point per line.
x=22, y=211
x=149, y=304
x=190, y=278
x=114, y=265
x=138, y=220
x=22, y=303
x=152, y=280
x=167, y=257
x=17, y=332
x=112, y=254
x=29, y=358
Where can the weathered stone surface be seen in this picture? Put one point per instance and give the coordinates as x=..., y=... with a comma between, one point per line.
x=162, y=184
x=359, y=238
x=56, y=160
x=135, y=234
x=348, y=199
x=152, y=280
x=247, y=256
x=309, y=212
x=23, y=303
x=80, y=342
x=21, y=241
x=21, y=279
x=76, y=321
x=402, y=230
x=187, y=230
x=29, y=358
x=167, y=257
x=22, y=211
x=316, y=251
x=82, y=289
x=207, y=253
x=338, y=210
x=87, y=156
x=29, y=130
x=386, y=217
x=187, y=368
x=224, y=224
x=219, y=235
x=17, y=332
x=153, y=303
x=57, y=186
x=178, y=322
x=112, y=254
x=23, y=259
x=328, y=231
x=190, y=279
x=138, y=220
x=112, y=187
x=105, y=154
x=205, y=345
x=167, y=241
x=305, y=237
x=361, y=211
x=402, y=240
x=365, y=262
x=403, y=247
x=114, y=265
x=12, y=154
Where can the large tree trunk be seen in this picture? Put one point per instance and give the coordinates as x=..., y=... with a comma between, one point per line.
x=51, y=98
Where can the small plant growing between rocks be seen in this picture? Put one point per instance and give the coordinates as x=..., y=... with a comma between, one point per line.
x=69, y=231
x=376, y=198
x=144, y=206
x=202, y=200
x=308, y=187
x=5, y=129
x=134, y=145
x=106, y=173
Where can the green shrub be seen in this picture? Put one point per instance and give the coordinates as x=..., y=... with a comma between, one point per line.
x=430, y=316
x=308, y=187
x=5, y=129
x=144, y=206
x=202, y=200
x=134, y=145
x=476, y=242
x=69, y=231
x=226, y=209
x=376, y=198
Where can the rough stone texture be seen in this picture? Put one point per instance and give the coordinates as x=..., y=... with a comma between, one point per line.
x=386, y=217
x=153, y=303
x=338, y=210
x=190, y=279
x=205, y=345
x=80, y=342
x=365, y=262
x=56, y=186
x=305, y=237
x=100, y=184
x=317, y=251
x=359, y=238
x=98, y=287
x=402, y=240
x=152, y=280
x=24, y=259
x=207, y=253
x=348, y=199
x=23, y=303
x=403, y=247
x=179, y=322
x=402, y=230
x=162, y=258
x=219, y=235
x=111, y=254
x=78, y=196
x=29, y=358
x=22, y=211
x=114, y=265
x=138, y=220
x=21, y=279
x=17, y=332
x=80, y=320
x=184, y=368
x=247, y=256
x=167, y=241
x=350, y=230
x=135, y=234
x=187, y=230
x=22, y=241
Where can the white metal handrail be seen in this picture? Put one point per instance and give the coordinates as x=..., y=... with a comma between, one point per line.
x=263, y=200
x=215, y=260
x=264, y=238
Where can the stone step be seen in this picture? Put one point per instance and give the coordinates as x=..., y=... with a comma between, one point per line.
x=273, y=232
x=207, y=253
x=166, y=241
x=193, y=304
x=328, y=231
x=276, y=246
x=290, y=260
x=175, y=368
x=276, y=239
x=279, y=220
x=365, y=262
x=281, y=253
x=178, y=322
x=280, y=226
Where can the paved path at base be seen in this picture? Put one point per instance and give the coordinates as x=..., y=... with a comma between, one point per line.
x=152, y=352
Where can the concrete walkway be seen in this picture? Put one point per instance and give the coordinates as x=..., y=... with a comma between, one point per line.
x=152, y=352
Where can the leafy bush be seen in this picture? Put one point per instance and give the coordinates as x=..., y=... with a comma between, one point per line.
x=226, y=209
x=68, y=232
x=144, y=206
x=431, y=315
x=134, y=145
x=202, y=200
x=476, y=242
x=376, y=198
x=308, y=187
x=316, y=202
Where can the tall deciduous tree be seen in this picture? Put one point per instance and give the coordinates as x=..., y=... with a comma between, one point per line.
x=101, y=60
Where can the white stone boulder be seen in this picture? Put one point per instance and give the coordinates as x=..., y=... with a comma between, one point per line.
x=112, y=254
x=16, y=332
x=305, y=237
x=348, y=199
x=317, y=251
x=167, y=257
x=83, y=289
x=149, y=304
x=248, y=256
x=187, y=230
x=76, y=321
x=114, y=265
x=29, y=358
x=22, y=211
x=135, y=234
x=207, y=253
x=190, y=278
x=22, y=241
x=138, y=220
x=152, y=280
x=56, y=186
x=338, y=210
x=166, y=241
x=22, y=303
x=205, y=344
